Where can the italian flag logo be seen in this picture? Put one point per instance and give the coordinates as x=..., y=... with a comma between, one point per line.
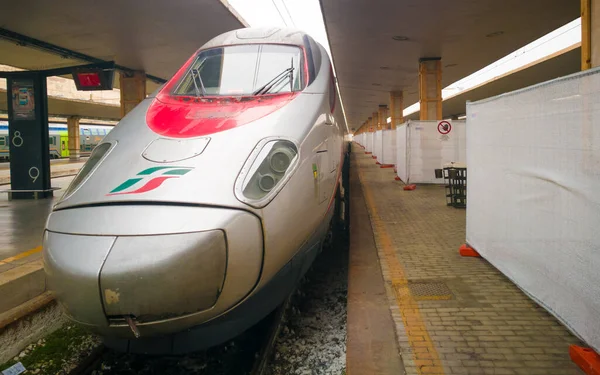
x=149, y=179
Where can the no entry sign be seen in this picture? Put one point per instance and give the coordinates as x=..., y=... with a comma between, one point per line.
x=444, y=127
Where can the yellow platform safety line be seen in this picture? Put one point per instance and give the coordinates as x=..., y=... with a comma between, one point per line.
x=425, y=356
x=22, y=255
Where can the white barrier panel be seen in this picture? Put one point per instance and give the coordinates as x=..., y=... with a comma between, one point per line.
x=429, y=145
x=369, y=142
x=377, y=149
x=534, y=194
x=401, y=164
x=358, y=139
x=389, y=147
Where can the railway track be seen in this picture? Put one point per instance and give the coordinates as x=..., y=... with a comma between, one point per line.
x=103, y=361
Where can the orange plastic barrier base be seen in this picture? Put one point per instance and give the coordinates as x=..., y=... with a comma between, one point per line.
x=378, y=163
x=397, y=178
x=386, y=166
x=467, y=251
x=368, y=153
x=374, y=157
x=410, y=187
x=587, y=359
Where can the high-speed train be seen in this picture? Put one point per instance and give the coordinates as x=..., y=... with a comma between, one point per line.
x=199, y=213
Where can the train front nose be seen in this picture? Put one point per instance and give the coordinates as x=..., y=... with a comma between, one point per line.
x=163, y=278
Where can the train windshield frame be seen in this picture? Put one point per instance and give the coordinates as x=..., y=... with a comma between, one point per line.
x=243, y=70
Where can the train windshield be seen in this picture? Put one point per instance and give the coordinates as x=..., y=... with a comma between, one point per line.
x=244, y=70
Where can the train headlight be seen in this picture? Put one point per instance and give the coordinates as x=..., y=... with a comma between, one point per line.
x=97, y=155
x=266, y=171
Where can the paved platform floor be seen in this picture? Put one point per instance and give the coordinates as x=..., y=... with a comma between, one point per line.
x=452, y=314
x=22, y=224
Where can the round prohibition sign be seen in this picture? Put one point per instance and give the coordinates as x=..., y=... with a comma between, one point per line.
x=444, y=127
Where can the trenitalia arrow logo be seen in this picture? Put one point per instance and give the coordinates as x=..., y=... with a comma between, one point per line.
x=149, y=179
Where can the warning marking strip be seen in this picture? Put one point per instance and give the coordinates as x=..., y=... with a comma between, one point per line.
x=425, y=356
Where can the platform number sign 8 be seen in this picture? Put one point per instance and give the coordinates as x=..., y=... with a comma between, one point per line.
x=17, y=140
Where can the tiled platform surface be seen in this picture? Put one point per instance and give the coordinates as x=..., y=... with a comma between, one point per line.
x=22, y=225
x=453, y=315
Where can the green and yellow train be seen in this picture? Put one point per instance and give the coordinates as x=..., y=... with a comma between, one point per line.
x=89, y=137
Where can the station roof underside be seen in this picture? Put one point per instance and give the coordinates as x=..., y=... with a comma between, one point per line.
x=154, y=36
x=467, y=34
x=560, y=65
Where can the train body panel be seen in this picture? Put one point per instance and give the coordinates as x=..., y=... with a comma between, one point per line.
x=207, y=164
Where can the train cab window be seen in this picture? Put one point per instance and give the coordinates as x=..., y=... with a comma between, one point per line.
x=244, y=70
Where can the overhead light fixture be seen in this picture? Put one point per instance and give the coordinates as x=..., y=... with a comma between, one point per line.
x=384, y=67
x=400, y=38
x=450, y=65
x=376, y=84
x=495, y=33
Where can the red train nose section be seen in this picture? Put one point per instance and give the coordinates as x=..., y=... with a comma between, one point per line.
x=186, y=117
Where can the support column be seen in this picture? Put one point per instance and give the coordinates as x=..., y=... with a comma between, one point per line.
x=382, y=116
x=375, y=120
x=397, y=108
x=590, y=34
x=430, y=88
x=28, y=136
x=133, y=90
x=74, y=142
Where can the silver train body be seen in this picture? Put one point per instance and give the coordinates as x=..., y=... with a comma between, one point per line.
x=199, y=213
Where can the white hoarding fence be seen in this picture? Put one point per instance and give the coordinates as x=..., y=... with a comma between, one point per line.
x=389, y=147
x=369, y=142
x=401, y=151
x=534, y=194
x=377, y=143
x=424, y=146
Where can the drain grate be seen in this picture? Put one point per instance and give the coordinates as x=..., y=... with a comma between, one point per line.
x=432, y=290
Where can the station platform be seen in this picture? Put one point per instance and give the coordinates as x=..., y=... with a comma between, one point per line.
x=444, y=314
x=58, y=168
x=22, y=224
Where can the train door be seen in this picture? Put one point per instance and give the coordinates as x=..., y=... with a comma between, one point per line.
x=332, y=161
x=64, y=145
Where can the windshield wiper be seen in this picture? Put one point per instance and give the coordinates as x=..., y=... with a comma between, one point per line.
x=287, y=73
x=196, y=74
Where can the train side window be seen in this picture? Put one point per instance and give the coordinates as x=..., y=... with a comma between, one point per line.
x=2, y=141
x=52, y=141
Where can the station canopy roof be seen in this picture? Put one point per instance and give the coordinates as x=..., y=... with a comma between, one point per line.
x=155, y=36
x=376, y=46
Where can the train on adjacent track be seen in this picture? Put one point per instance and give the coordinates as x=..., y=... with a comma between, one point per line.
x=89, y=137
x=200, y=212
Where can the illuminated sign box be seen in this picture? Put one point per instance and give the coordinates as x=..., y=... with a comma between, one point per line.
x=93, y=79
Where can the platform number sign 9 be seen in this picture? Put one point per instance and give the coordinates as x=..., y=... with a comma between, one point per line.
x=28, y=136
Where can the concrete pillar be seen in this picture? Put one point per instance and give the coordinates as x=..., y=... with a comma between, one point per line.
x=133, y=90
x=396, y=108
x=430, y=88
x=590, y=34
x=74, y=142
x=375, y=119
x=382, y=116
